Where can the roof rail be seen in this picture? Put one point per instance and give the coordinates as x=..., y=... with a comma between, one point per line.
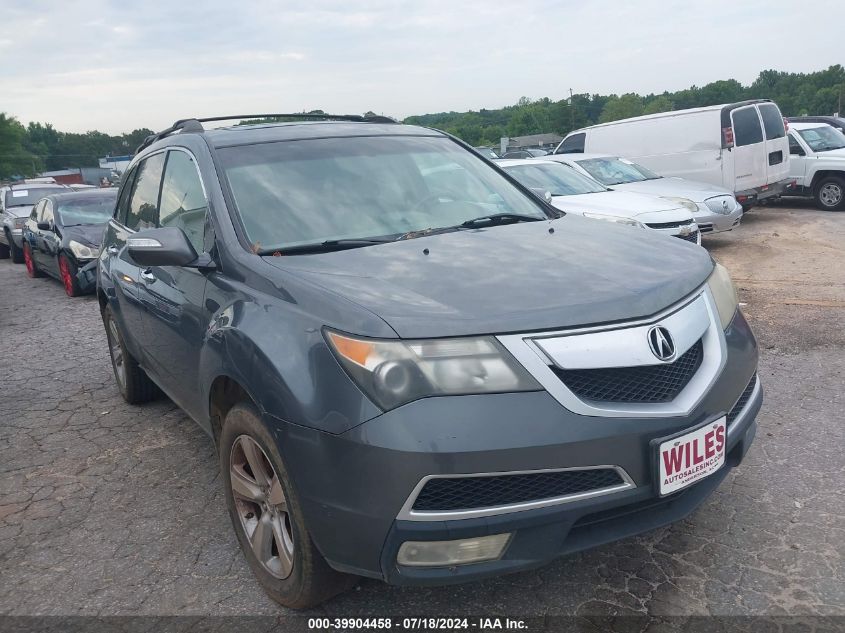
x=195, y=125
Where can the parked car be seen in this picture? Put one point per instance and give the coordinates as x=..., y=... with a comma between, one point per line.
x=739, y=146
x=18, y=201
x=836, y=121
x=487, y=152
x=525, y=153
x=414, y=371
x=574, y=192
x=63, y=234
x=817, y=162
x=714, y=209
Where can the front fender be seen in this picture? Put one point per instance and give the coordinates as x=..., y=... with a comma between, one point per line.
x=280, y=358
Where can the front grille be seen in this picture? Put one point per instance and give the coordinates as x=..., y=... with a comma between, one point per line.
x=668, y=225
x=467, y=493
x=692, y=237
x=645, y=384
x=743, y=400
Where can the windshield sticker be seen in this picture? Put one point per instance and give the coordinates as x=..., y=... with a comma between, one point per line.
x=20, y=193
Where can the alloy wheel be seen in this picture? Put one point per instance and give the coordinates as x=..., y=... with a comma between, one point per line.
x=27, y=259
x=261, y=506
x=67, y=280
x=831, y=194
x=118, y=357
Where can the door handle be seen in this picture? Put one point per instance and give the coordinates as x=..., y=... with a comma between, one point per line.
x=112, y=250
x=148, y=276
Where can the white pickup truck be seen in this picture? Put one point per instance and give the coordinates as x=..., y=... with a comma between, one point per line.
x=817, y=162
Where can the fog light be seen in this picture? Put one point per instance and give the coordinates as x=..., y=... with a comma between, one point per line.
x=448, y=553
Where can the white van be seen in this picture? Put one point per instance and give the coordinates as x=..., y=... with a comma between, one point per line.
x=739, y=146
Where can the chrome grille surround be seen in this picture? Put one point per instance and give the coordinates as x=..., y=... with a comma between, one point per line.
x=625, y=345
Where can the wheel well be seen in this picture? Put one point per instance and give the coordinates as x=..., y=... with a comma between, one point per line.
x=225, y=393
x=819, y=175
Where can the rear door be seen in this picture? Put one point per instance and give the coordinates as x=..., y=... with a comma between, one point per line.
x=777, y=146
x=749, y=150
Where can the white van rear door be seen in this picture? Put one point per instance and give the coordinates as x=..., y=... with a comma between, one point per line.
x=750, y=157
x=777, y=145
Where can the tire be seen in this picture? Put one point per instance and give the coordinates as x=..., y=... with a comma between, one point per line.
x=32, y=269
x=4, y=251
x=300, y=578
x=829, y=193
x=134, y=385
x=67, y=273
x=17, y=253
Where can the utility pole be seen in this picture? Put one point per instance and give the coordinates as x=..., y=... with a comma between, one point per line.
x=572, y=111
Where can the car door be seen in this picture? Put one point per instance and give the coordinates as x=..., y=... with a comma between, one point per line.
x=173, y=297
x=137, y=209
x=797, y=159
x=777, y=147
x=48, y=240
x=32, y=232
x=749, y=153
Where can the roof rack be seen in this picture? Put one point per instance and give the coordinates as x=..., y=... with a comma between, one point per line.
x=195, y=125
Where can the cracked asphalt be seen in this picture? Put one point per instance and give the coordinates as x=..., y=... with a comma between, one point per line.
x=110, y=509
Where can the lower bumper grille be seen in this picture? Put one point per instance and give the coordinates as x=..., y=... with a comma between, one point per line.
x=668, y=225
x=705, y=228
x=692, y=237
x=743, y=400
x=467, y=493
x=645, y=384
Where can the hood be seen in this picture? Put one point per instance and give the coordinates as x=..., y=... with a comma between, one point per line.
x=516, y=278
x=88, y=234
x=622, y=203
x=838, y=154
x=675, y=187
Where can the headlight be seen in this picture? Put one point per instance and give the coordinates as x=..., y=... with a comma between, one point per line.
x=686, y=203
x=724, y=293
x=618, y=219
x=393, y=373
x=82, y=251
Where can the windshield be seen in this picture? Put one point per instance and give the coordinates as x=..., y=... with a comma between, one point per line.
x=27, y=197
x=823, y=139
x=616, y=171
x=86, y=210
x=293, y=193
x=557, y=179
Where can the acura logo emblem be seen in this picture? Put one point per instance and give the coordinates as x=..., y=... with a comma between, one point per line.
x=660, y=342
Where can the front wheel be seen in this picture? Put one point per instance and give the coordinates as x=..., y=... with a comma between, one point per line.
x=267, y=516
x=17, y=253
x=67, y=271
x=31, y=267
x=830, y=193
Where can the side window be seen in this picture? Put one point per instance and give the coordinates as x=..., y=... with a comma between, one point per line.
x=183, y=202
x=122, y=207
x=143, y=203
x=772, y=121
x=47, y=213
x=747, y=130
x=794, y=147
x=573, y=144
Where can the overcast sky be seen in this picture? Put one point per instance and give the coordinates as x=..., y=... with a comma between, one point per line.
x=117, y=66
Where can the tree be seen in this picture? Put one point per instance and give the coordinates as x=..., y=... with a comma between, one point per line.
x=15, y=159
x=624, y=107
x=658, y=104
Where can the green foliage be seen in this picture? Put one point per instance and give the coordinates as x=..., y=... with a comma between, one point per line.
x=15, y=158
x=795, y=93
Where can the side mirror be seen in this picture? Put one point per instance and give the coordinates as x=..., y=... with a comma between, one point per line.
x=45, y=226
x=167, y=246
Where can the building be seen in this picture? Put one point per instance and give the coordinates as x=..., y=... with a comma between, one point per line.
x=532, y=141
x=117, y=163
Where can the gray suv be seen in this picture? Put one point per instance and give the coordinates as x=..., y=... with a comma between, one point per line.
x=412, y=367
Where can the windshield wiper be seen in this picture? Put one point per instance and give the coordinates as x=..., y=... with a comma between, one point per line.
x=499, y=219
x=324, y=247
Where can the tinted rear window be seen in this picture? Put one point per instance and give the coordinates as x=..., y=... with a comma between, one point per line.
x=772, y=121
x=747, y=130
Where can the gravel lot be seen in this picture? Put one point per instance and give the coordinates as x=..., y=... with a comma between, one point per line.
x=109, y=509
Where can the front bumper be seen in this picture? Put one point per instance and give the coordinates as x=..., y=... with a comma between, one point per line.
x=710, y=222
x=353, y=486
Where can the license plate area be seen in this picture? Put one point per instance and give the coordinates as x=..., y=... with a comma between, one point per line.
x=690, y=456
